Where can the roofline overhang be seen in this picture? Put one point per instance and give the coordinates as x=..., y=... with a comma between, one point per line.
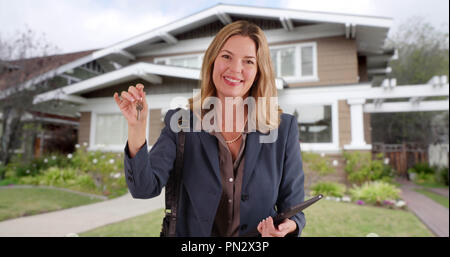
x=142, y=70
x=279, y=14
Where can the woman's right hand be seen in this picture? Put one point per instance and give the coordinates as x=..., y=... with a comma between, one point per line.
x=136, y=128
x=127, y=105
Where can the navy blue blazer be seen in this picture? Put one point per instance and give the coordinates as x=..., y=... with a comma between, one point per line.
x=273, y=176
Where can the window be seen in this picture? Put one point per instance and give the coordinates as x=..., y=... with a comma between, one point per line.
x=191, y=61
x=110, y=129
x=314, y=123
x=295, y=62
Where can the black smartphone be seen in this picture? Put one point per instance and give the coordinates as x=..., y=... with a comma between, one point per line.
x=286, y=214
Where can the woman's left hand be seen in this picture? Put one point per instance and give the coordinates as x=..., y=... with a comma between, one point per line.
x=267, y=229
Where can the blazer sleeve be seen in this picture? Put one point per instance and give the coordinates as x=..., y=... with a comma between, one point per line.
x=147, y=172
x=291, y=190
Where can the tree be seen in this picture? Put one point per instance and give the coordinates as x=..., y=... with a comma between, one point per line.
x=423, y=52
x=20, y=56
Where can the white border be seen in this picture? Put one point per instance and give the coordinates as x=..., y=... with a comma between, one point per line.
x=297, y=62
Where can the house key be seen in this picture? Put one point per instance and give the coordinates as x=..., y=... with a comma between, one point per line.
x=139, y=107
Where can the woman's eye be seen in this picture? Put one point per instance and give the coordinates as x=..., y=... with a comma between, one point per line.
x=250, y=62
x=226, y=56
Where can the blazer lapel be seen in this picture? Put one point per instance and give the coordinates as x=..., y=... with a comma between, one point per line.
x=252, y=148
x=209, y=144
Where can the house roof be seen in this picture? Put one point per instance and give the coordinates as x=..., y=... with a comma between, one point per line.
x=26, y=69
x=146, y=71
x=369, y=31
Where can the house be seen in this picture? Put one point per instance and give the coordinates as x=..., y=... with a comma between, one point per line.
x=324, y=62
x=41, y=130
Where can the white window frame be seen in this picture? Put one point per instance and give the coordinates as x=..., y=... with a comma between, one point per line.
x=167, y=60
x=332, y=146
x=113, y=148
x=297, y=62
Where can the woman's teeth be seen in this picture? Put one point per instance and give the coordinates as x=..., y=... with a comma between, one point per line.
x=232, y=80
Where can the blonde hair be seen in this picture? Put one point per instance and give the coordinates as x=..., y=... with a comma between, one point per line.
x=264, y=84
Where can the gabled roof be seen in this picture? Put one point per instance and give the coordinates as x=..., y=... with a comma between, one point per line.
x=369, y=31
x=146, y=71
x=26, y=69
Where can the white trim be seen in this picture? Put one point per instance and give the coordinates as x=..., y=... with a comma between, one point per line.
x=297, y=62
x=357, y=122
x=118, y=76
x=286, y=23
x=319, y=93
x=169, y=38
x=422, y=106
x=224, y=18
x=333, y=146
x=126, y=54
x=108, y=105
x=372, y=21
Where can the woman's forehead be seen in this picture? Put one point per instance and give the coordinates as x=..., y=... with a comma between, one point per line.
x=240, y=46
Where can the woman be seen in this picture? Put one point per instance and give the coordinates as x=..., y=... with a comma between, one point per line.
x=232, y=182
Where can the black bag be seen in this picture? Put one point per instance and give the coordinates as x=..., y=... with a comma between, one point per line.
x=173, y=191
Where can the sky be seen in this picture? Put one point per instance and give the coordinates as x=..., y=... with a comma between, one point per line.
x=77, y=25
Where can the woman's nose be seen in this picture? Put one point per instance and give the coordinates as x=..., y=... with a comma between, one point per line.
x=236, y=66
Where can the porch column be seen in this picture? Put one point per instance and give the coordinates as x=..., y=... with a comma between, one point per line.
x=357, y=125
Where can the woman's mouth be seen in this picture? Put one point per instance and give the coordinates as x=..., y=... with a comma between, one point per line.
x=232, y=81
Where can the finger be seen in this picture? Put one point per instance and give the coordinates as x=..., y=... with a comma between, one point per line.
x=127, y=96
x=134, y=92
x=285, y=225
x=271, y=228
x=140, y=88
x=117, y=99
x=142, y=93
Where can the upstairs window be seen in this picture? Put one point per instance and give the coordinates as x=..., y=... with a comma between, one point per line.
x=295, y=63
x=188, y=61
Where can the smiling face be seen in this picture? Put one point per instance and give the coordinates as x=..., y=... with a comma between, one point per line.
x=235, y=67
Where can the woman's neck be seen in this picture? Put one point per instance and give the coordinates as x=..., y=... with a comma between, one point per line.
x=233, y=119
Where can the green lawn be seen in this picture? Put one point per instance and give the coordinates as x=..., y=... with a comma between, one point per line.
x=18, y=202
x=143, y=226
x=435, y=197
x=324, y=219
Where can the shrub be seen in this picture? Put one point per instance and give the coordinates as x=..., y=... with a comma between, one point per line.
x=360, y=168
x=443, y=175
x=327, y=188
x=68, y=178
x=424, y=168
x=92, y=172
x=375, y=192
x=317, y=163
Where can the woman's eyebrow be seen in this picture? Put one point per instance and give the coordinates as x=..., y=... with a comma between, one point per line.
x=232, y=54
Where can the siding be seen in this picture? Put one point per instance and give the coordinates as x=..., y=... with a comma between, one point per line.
x=84, y=130
x=367, y=129
x=337, y=62
x=345, y=136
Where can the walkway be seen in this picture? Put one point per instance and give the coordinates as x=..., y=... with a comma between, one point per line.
x=432, y=214
x=80, y=219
